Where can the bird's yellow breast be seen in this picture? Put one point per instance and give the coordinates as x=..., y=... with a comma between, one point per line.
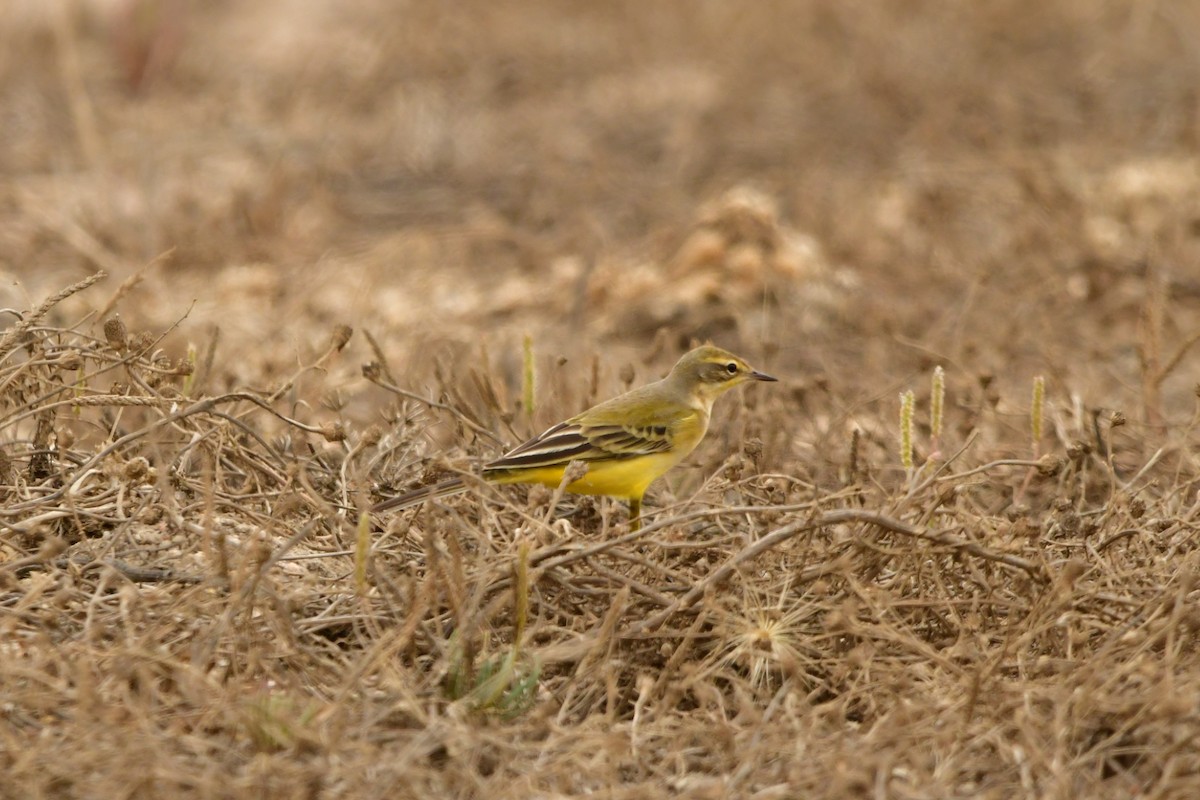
x=619, y=477
x=626, y=477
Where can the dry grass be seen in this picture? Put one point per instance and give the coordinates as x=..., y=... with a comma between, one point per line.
x=192, y=601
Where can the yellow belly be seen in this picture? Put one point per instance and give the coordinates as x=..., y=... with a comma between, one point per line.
x=627, y=478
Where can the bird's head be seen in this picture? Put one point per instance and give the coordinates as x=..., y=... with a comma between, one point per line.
x=709, y=371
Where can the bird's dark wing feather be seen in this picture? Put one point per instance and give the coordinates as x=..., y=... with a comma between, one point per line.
x=577, y=441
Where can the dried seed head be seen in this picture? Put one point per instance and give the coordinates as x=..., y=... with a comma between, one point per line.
x=1137, y=507
x=115, y=333
x=372, y=435
x=151, y=515
x=142, y=342
x=372, y=371
x=1116, y=419
x=574, y=471
x=1049, y=465
x=735, y=467
x=136, y=470
x=1067, y=521
x=341, y=336
x=334, y=432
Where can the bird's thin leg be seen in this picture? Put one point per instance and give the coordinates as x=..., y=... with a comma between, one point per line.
x=635, y=513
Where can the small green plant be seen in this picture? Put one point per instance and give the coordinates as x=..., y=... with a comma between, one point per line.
x=505, y=684
x=276, y=721
x=1036, y=412
x=907, y=400
x=937, y=398
x=502, y=686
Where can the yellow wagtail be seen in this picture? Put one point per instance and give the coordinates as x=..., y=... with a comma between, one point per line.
x=626, y=443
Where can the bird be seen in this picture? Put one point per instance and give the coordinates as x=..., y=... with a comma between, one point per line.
x=625, y=443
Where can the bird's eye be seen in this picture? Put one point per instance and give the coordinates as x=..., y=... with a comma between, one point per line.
x=731, y=368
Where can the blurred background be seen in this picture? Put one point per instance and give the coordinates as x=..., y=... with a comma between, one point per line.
x=846, y=192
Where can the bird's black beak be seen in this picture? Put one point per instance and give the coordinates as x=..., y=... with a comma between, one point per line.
x=762, y=376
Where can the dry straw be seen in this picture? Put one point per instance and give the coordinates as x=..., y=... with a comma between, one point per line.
x=201, y=563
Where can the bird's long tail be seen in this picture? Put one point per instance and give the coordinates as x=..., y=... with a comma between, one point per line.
x=441, y=489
